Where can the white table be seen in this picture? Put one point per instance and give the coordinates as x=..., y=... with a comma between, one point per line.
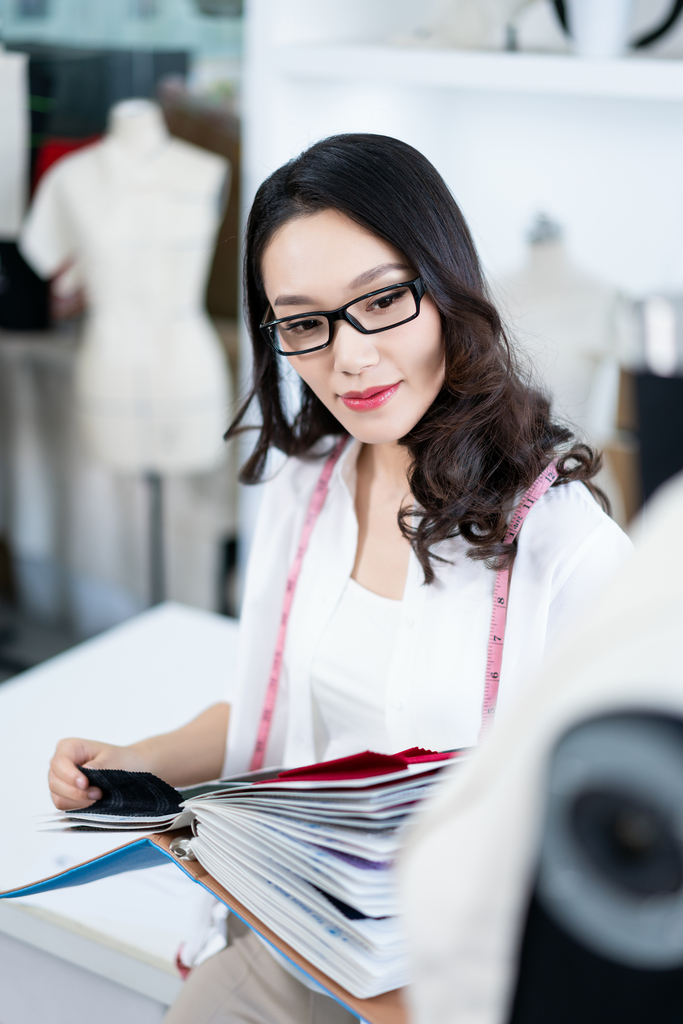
x=114, y=940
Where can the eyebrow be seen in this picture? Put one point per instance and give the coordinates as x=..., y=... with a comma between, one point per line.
x=370, y=275
x=367, y=277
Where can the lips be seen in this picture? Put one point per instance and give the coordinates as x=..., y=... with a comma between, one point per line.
x=371, y=398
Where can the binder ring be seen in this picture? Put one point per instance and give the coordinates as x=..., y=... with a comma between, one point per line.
x=182, y=848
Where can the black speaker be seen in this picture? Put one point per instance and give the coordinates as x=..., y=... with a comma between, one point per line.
x=603, y=939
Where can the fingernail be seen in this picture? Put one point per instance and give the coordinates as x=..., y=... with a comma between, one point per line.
x=94, y=794
x=81, y=781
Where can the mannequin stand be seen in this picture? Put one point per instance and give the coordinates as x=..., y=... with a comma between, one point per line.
x=157, y=573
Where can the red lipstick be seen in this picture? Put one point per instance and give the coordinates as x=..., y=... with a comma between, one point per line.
x=371, y=398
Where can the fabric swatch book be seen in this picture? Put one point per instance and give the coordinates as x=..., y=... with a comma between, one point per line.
x=304, y=856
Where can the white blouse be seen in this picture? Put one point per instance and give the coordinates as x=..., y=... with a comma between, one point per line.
x=467, y=868
x=567, y=550
x=349, y=675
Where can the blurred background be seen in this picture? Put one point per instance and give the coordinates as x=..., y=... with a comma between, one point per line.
x=133, y=135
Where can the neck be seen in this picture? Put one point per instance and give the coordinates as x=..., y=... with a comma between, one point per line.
x=138, y=126
x=388, y=463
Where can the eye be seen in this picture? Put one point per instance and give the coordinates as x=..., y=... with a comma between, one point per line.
x=299, y=327
x=386, y=301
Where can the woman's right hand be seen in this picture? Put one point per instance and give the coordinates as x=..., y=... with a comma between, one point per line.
x=69, y=788
x=192, y=753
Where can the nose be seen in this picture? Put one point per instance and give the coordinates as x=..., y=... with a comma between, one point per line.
x=353, y=351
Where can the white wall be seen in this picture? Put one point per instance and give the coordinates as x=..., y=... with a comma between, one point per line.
x=610, y=170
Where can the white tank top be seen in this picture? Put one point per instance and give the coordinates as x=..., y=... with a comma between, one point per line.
x=348, y=683
x=349, y=674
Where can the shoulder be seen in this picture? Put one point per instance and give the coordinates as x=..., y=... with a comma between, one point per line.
x=289, y=481
x=291, y=474
x=567, y=526
x=300, y=473
x=569, y=512
x=73, y=168
x=285, y=497
x=188, y=158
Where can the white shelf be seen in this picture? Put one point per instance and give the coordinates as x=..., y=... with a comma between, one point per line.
x=628, y=78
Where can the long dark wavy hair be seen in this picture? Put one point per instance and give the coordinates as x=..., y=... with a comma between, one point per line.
x=488, y=433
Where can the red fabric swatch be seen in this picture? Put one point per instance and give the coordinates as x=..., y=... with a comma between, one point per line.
x=364, y=765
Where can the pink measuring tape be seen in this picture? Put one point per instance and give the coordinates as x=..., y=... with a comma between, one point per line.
x=312, y=513
x=494, y=656
x=500, y=598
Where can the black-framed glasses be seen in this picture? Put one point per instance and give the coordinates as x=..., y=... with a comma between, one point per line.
x=370, y=314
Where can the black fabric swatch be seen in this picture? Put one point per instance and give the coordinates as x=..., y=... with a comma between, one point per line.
x=134, y=794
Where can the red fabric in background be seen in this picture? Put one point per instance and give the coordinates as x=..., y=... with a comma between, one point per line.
x=54, y=149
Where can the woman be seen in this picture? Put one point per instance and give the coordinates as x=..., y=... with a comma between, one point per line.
x=360, y=275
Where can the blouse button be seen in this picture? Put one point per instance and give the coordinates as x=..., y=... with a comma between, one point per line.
x=397, y=705
x=408, y=621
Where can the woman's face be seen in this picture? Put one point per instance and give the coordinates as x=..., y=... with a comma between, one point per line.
x=377, y=385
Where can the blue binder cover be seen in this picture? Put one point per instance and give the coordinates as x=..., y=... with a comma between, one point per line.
x=142, y=853
x=151, y=851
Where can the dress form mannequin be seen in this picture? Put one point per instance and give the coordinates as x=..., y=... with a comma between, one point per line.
x=135, y=216
x=570, y=325
x=573, y=328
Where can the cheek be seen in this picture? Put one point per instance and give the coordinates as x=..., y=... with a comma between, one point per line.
x=436, y=333
x=317, y=373
x=430, y=364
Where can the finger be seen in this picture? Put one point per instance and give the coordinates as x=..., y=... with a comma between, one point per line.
x=62, y=765
x=64, y=804
x=63, y=788
x=76, y=752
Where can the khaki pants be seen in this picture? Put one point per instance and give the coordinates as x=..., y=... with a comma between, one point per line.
x=243, y=984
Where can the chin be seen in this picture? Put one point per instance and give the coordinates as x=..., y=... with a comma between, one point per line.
x=375, y=434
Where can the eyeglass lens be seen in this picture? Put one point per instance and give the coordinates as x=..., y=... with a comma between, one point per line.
x=387, y=309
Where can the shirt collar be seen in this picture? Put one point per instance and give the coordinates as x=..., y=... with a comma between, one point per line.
x=344, y=474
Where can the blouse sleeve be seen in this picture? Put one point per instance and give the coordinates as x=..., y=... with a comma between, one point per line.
x=47, y=240
x=592, y=567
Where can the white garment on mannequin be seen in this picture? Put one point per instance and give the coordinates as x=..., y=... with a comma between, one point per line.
x=138, y=213
x=571, y=325
x=14, y=132
x=574, y=330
